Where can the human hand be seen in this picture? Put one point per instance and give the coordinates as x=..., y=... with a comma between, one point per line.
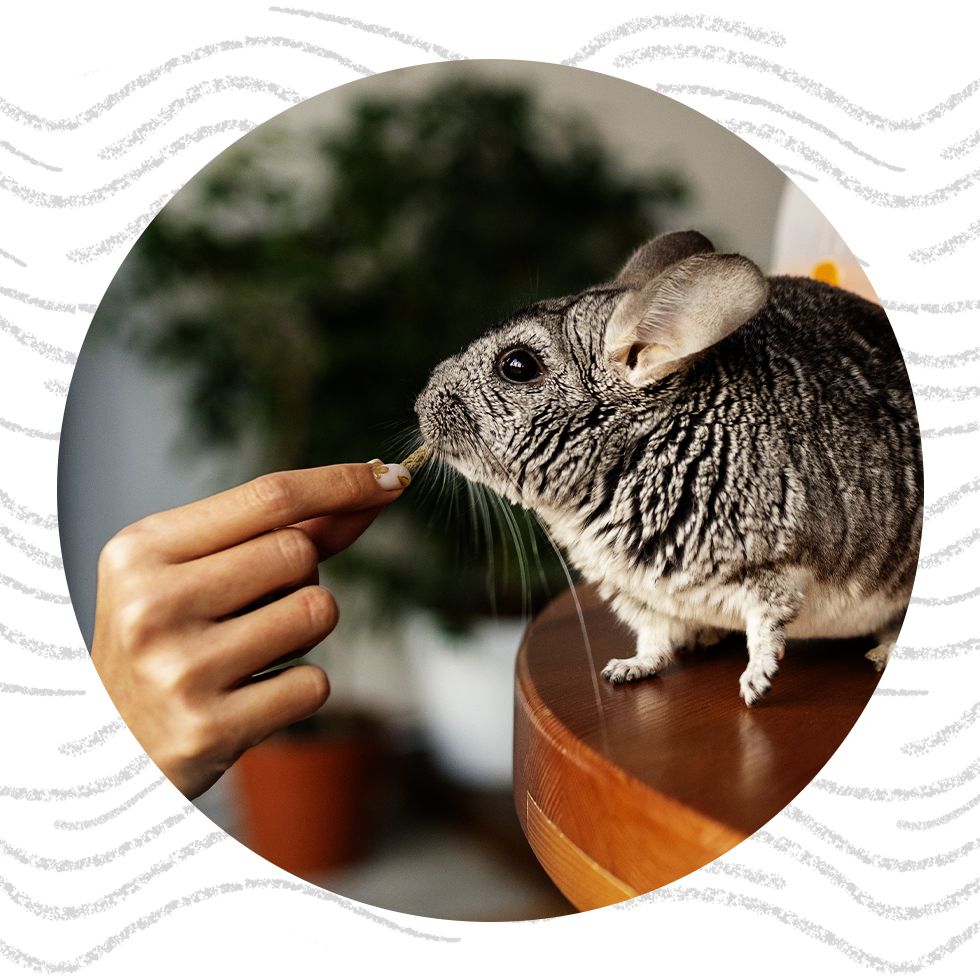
x=191, y=602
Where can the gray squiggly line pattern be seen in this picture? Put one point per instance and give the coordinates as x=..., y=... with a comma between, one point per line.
x=944, y=600
x=35, y=344
x=899, y=692
x=746, y=98
x=50, y=651
x=196, y=93
x=20, y=153
x=13, y=258
x=954, y=496
x=884, y=910
x=61, y=913
x=40, y=794
x=78, y=746
x=811, y=86
x=793, y=172
x=946, y=247
x=43, y=199
x=40, y=692
x=25, y=430
x=666, y=21
x=939, y=821
x=945, y=651
x=56, y=306
x=952, y=392
x=733, y=870
x=112, y=242
x=100, y=859
x=37, y=555
x=808, y=928
x=103, y=818
x=147, y=78
x=96, y=953
x=824, y=833
x=961, y=148
x=954, y=306
x=873, y=195
x=936, y=558
x=56, y=387
x=950, y=430
x=935, y=788
x=416, y=42
x=22, y=513
x=941, y=360
x=36, y=593
x=922, y=745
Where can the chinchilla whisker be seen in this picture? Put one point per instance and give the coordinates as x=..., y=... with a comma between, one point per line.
x=490, y=456
x=491, y=576
x=530, y=522
x=522, y=559
x=432, y=485
x=593, y=673
x=443, y=482
x=505, y=520
x=474, y=522
x=401, y=442
x=484, y=512
x=450, y=485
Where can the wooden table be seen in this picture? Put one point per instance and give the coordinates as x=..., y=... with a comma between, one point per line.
x=623, y=789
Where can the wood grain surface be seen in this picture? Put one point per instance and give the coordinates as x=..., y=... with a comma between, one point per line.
x=622, y=789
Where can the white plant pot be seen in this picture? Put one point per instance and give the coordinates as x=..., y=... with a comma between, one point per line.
x=465, y=687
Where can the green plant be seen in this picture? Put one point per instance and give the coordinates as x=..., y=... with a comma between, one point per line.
x=306, y=282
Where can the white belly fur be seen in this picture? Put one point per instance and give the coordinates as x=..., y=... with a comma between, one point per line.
x=829, y=611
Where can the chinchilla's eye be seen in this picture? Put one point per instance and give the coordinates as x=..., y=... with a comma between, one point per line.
x=519, y=365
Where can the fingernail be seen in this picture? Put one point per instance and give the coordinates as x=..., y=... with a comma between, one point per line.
x=391, y=476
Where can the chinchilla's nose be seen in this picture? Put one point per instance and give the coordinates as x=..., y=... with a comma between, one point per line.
x=434, y=407
x=438, y=389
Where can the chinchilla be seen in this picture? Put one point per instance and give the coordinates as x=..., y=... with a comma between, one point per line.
x=716, y=449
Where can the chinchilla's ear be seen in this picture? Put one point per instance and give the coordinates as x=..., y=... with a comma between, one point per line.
x=659, y=254
x=658, y=328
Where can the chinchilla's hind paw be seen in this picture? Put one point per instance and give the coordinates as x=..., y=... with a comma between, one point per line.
x=708, y=636
x=880, y=654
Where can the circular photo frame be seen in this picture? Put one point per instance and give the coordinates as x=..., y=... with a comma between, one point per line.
x=292, y=307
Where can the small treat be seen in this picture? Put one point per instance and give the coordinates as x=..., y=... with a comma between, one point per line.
x=413, y=462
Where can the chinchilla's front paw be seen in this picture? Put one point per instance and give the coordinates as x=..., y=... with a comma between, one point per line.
x=755, y=679
x=635, y=668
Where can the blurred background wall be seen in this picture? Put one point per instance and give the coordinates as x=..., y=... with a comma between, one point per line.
x=127, y=452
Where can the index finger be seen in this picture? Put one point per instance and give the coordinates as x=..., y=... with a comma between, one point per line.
x=270, y=501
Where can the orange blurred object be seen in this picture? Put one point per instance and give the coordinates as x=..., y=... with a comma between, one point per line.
x=806, y=244
x=827, y=272
x=307, y=801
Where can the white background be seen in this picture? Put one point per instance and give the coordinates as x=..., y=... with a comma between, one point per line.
x=105, y=869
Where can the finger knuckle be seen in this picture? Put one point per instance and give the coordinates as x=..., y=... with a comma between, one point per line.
x=297, y=550
x=200, y=736
x=139, y=620
x=273, y=494
x=162, y=675
x=121, y=552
